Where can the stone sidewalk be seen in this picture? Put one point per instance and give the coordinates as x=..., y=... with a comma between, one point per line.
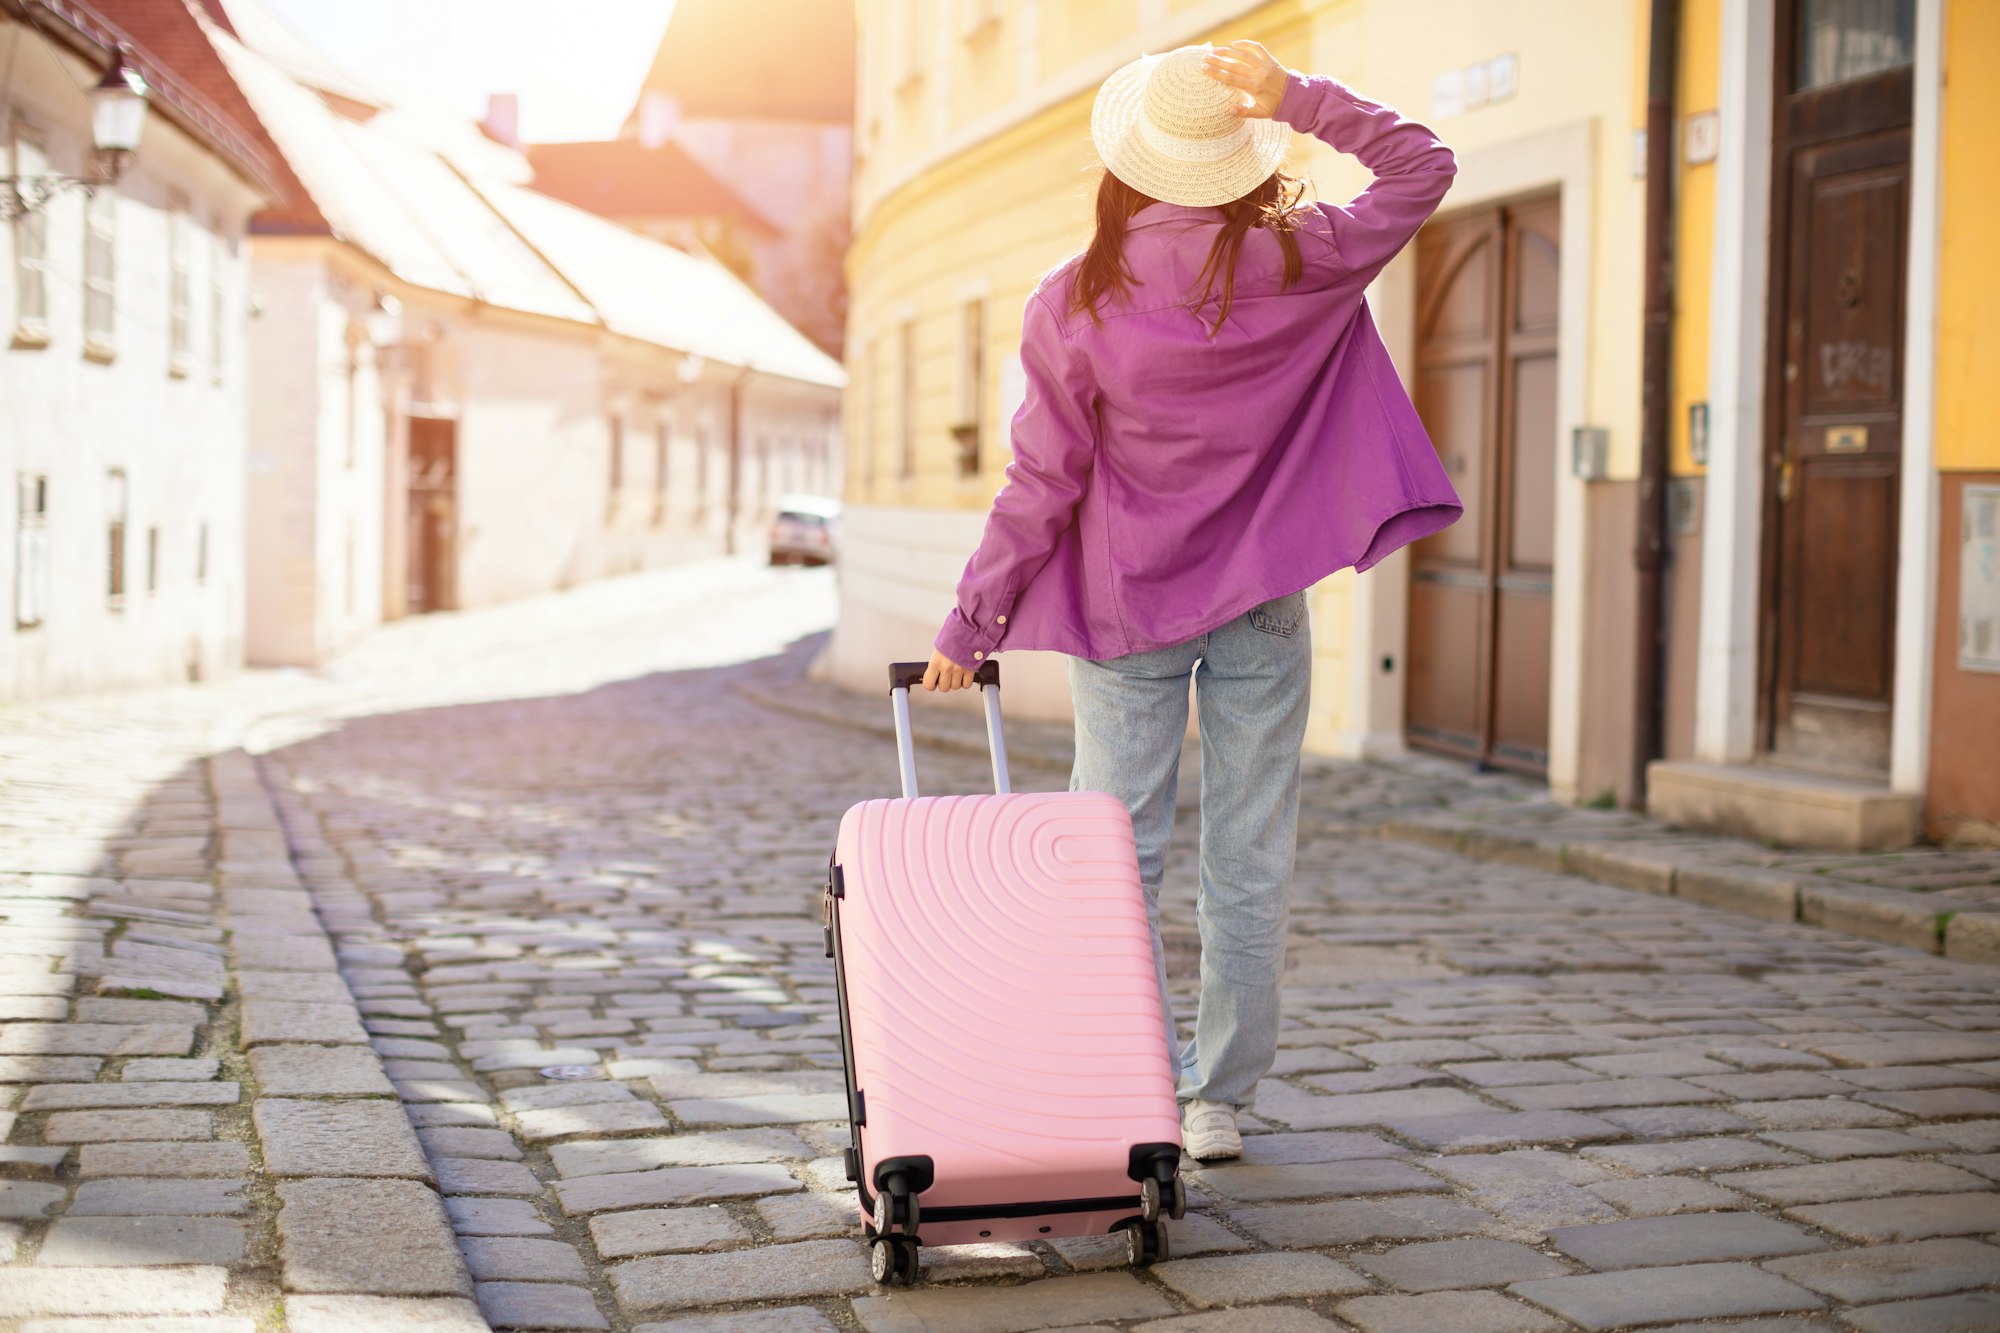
x=563, y=861
x=1939, y=900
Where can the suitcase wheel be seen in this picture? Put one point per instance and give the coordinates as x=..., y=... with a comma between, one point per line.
x=1146, y=1243
x=892, y=1261
x=1159, y=1198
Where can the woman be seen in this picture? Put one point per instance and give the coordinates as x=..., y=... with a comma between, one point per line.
x=1211, y=426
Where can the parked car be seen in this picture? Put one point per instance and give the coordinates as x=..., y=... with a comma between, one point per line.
x=802, y=531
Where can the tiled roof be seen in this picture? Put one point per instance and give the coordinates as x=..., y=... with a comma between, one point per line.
x=436, y=226
x=270, y=36
x=660, y=295
x=771, y=60
x=625, y=179
x=322, y=151
x=188, y=85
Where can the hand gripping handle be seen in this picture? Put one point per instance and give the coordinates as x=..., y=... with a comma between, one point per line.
x=904, y=675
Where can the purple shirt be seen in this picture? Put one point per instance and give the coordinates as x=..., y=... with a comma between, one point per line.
x=1164, y=482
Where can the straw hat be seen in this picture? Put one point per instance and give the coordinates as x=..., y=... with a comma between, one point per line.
x=1166, y=129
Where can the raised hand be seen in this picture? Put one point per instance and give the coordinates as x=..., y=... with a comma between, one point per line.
x=1253, y=71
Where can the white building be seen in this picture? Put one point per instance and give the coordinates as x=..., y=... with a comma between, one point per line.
x=123, y=384
x=468, y=392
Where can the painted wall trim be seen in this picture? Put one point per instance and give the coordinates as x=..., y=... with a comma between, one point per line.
x=1083, y=76
x=1565, y=157
x=1917, y=528
x=1725, y=724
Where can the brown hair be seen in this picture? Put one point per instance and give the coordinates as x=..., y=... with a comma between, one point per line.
x=1272, y=205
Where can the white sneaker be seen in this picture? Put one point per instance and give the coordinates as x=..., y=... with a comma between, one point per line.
x=1208, y=1131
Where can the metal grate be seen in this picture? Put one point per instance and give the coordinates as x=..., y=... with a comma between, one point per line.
x=1684, y=507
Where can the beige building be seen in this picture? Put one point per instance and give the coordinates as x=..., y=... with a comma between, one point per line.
x=1827, y=613
x=123, y=375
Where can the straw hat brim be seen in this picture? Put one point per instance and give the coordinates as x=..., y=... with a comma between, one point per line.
x=1126, y=154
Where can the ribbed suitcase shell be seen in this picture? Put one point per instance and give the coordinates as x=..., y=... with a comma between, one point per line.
x=1001, y=1009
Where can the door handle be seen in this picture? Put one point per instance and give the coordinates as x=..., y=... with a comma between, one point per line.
x=1787, y=480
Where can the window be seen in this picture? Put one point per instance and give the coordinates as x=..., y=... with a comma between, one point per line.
x=617, y=477
x=31, y=551
x=906, y=402
x=912, y=15
x=702, y=445
x=31, y=252
x=201, y=554
x=218, y=267
x=1840, y=40
x=354, y=337
x=180, y=342
x=661, y=438
x=114, y=587
x=100, y=274
x=969, y=412
x=870, y=406
x=976, y=16
x=153, y=559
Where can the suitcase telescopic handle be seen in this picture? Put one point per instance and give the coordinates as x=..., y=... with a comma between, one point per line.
x=904, y=675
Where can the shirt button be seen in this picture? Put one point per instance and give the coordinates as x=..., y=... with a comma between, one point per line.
x=999, y=620
x=977, y=657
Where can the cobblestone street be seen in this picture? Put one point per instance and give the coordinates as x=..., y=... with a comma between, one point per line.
x=567, y=870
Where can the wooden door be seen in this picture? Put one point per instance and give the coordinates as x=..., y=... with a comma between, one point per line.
x=433, y=512
x=1836, y=435
x=1481, y=591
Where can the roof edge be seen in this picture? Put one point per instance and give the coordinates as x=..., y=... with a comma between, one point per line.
x=92, y=36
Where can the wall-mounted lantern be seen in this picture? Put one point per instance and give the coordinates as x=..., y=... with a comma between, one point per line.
x=118, y=111
x=117, y=119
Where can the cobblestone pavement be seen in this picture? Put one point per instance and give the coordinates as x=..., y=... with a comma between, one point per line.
x=559, y=841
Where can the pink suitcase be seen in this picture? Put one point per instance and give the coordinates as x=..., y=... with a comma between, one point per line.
x=1007, y=1072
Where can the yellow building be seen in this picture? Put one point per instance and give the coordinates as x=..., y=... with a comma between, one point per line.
x=1517, y=320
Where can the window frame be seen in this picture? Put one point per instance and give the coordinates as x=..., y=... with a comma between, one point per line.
x=906, y=401
x=100, y=273
x=180, y=286
x=116, y=525
x=31, y=550
x=968, y=427
x=218, y=268
x=31, y=330
x=662, y=467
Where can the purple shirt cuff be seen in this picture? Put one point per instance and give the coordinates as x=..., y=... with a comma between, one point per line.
x=961, y=642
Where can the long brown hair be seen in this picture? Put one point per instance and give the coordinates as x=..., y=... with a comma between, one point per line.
x=1272, y=205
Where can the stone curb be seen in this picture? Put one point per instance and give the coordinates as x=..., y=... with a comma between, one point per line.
x=1656, y=862
x=329, y=1137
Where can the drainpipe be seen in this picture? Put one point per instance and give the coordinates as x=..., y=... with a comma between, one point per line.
x=1649, y=696
x=735, y=460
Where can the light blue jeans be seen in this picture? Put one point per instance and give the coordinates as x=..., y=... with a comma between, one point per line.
x=1251, y=679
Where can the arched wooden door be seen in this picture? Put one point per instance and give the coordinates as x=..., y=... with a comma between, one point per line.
x=1481, y=591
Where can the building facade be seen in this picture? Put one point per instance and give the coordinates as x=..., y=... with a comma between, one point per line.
x=467, y=391
x=123, y=377
x=774, y=118
x=1516, y=317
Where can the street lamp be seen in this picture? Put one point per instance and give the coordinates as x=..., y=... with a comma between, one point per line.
x=118, y=110
x=117, y=119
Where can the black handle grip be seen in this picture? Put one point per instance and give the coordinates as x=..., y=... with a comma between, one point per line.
x=908, y=675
